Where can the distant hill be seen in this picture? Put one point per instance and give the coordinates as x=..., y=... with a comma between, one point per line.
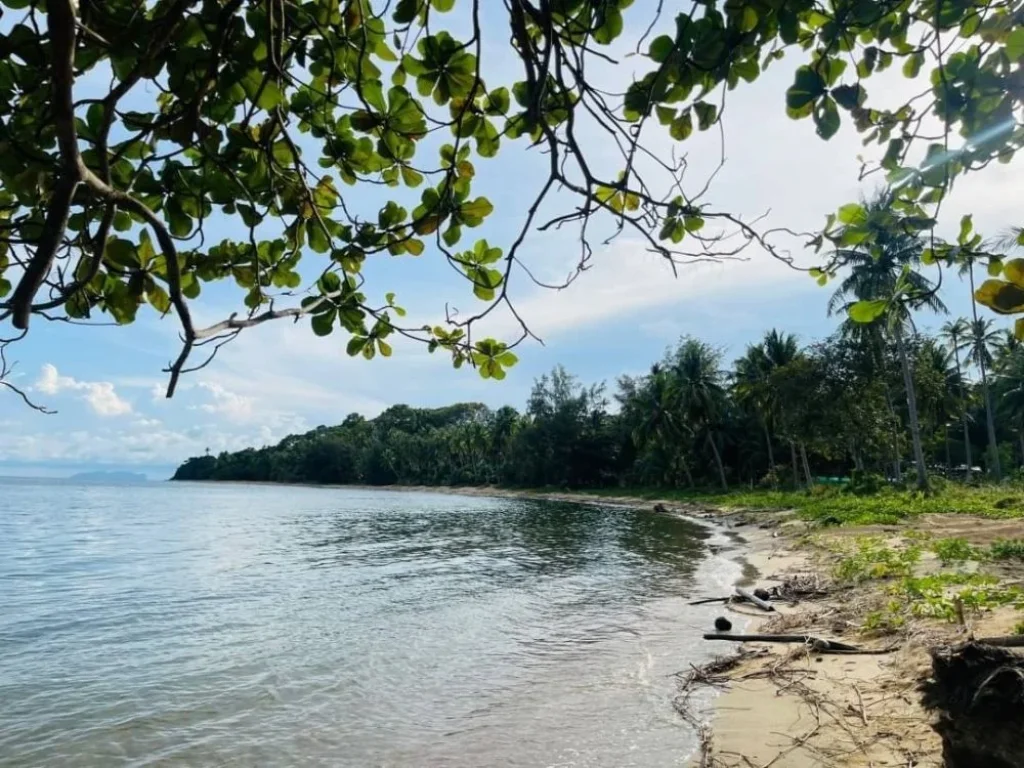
x=119, y=478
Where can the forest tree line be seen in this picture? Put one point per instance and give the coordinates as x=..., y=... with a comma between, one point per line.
x=780, y=415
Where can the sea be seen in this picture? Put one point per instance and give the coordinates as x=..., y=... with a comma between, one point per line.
x=201, y=624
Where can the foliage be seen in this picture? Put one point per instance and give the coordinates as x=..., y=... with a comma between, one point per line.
x=1007, y=549
x=151, y=151
x=951, y=551
x=872, y=558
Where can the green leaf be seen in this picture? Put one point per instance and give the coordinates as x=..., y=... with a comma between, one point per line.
x=1000, y=296
x=966, y=227
x=1014, y=270
x=1015, y=44
x=706, y=114
x=682, y=126
x=807, y=87
x=995, y=267
x=323, y=324
x=852, y=213
x=355, y=345
x=748, y=19
x=912, y=66
x=867, y=311
x=475, y=211
x=661, y=48
x=384, y=347
x=848, y=96
x=826, y=118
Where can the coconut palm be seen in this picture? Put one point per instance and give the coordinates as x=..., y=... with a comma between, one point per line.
x=698, y=393
x=981, y=358
x=982, y=341
x=659, y=425
x=752, y=380
x=880, y=265
x=1010, y=385
x=955, y=333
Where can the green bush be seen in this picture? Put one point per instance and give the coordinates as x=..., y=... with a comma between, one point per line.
x=954, y=551
x=1007, y=549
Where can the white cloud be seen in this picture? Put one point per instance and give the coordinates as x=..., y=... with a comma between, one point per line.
x=236, y=407
x=100, y=396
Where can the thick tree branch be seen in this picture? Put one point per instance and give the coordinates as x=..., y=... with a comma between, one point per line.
x=61, y=24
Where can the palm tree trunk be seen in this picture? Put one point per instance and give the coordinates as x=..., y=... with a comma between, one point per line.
x=915, y=426
x=993, y=447
x=796, y=469
x=807, y=467
x=945, y=442
x=963, y=414
x=1020, y=437
x=718, y=461
x=897, y=469
x=686, y=470
x=768, y=442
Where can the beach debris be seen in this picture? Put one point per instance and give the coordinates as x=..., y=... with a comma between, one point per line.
x=816, y=643
x=722, y=624
x=978, y=691
x=751, y=597
x=661, y=509
x=762, y=594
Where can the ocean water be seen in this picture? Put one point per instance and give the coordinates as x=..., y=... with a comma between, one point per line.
x=233, y=625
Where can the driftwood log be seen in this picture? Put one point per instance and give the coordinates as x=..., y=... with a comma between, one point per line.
x=750, y=597
x=817, y=643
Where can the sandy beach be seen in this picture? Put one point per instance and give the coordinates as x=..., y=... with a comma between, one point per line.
x=791, y=707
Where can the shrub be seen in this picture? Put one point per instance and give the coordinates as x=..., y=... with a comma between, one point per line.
x=954, y=551
x=1007, y=549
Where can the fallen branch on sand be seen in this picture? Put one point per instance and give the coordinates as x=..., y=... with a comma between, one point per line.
x=750, y=597
x=818, y=644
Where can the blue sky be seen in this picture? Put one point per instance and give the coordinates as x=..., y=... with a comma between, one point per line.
x=618, y=317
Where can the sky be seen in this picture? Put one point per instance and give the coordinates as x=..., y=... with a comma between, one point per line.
x=107, y=387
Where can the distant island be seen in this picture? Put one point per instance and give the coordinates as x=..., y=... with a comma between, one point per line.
x=120, y=478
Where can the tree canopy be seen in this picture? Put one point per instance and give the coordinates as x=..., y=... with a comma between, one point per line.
x=127, y=129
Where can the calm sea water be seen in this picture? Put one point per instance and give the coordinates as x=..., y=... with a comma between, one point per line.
x=202, y=625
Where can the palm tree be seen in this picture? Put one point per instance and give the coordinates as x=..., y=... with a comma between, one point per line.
x=984, y=359
x=1010, y=381
x=698, y=392
x=955, y=333
x=982, y=340
x=881, y=264
x=752, y=380
x=659, y=425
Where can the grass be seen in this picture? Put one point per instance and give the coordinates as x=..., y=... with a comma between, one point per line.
x=829, y=505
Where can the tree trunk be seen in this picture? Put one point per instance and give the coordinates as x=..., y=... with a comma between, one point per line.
x=796, y=469
x=963, y=416
x=915, y=426
x=807, y=467
x=718, y=461
x=945, y=443
x=1020, y=437
x=896, y=459
x=993, y=446
x=768, y=442
x=686, y=470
